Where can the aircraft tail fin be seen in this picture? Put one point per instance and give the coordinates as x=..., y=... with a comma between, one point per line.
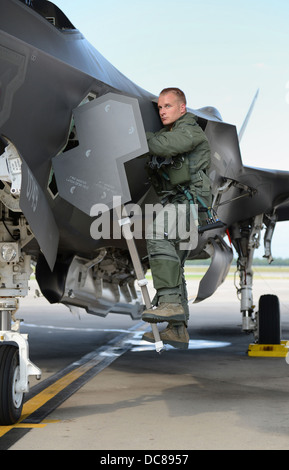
x=244, y=125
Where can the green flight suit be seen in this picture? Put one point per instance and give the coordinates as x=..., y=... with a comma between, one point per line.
x=187, y=155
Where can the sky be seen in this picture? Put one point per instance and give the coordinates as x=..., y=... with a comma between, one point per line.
x=219, y=52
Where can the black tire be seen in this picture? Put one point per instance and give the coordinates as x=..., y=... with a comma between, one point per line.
x=269, y=320
x=11, y=403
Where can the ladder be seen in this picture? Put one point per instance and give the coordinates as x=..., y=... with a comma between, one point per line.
x=125, y=222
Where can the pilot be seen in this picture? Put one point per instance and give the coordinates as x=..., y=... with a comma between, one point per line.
x=179, y=156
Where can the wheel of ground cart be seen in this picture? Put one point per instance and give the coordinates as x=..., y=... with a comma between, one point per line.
x=11, y=401
x=269, y=320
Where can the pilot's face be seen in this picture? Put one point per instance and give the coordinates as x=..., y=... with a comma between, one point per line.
x=170, y=108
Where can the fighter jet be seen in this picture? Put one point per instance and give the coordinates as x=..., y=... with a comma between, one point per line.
x=72, y=142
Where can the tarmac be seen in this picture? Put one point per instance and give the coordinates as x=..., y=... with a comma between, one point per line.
x=211, y=397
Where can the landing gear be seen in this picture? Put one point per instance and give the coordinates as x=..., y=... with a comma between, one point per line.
x=246, y=238
x=268, y=320
x=265, y=323
x=15, y=366
x=15, y=272
x=11, y=398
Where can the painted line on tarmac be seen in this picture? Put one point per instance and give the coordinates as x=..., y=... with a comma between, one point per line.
x=78, y=330
x=48, y=395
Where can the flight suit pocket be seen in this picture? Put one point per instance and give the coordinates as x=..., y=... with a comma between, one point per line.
x=179, y=172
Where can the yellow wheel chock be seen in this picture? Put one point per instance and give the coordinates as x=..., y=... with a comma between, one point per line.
x=269, y=350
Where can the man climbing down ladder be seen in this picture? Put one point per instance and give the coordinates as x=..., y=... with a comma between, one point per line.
x=179, y=157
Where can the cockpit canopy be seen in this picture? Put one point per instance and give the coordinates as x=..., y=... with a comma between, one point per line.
x=50, y=12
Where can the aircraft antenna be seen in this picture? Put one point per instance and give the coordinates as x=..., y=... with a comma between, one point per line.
x=243, y=128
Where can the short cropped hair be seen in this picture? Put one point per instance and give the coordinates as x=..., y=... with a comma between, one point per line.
x=179, y=93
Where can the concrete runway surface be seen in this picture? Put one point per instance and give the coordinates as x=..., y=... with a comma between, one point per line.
x=212, y=396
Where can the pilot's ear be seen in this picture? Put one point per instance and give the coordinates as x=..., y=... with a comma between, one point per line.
x=183, y=108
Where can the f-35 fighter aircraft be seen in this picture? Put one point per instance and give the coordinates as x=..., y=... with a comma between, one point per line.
x=72, y=129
